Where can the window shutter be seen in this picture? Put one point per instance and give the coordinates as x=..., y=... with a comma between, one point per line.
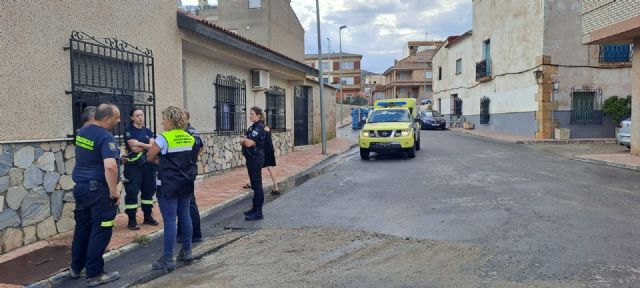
x=356, y=65
x=336, y=65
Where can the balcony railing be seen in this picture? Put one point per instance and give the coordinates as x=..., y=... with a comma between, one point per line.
x=615, y=53
x=483, y=69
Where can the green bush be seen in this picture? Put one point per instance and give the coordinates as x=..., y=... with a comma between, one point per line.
x=617, y=108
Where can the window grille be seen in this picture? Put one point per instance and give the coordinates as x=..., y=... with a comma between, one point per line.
x=109, y=70
x=231, y=112
x=586, y=106
x=276, y=108
x=485, y=114
x=615, y=53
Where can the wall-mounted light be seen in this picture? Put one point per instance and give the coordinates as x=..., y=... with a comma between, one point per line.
x=538, y=75
x=556, y=86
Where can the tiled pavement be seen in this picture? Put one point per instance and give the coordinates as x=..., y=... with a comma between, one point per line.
x=625, y=161
x=211, y=192
x=504, y=137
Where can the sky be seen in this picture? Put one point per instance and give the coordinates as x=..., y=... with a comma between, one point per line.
x=378, y=29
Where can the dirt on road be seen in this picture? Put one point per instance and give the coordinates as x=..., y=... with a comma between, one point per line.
x=324, y=257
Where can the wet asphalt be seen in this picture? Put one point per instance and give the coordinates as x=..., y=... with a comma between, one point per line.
x=543, y=216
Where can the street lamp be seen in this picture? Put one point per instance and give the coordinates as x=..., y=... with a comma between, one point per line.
x=340, y=75
x=321, y=78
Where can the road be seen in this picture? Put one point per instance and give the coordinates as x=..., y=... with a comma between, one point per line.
x=466, y=212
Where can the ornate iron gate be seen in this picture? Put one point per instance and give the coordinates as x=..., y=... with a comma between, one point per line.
x=109, y=70
x=301, y=116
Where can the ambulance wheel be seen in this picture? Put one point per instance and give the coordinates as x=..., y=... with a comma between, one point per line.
x=364, y=154
x=411, y=153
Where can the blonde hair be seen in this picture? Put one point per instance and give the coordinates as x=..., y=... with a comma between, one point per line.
x=176, y=117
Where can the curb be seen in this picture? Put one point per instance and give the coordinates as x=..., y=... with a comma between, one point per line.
x=607, y=163
x=542, y=142
x=56, y=278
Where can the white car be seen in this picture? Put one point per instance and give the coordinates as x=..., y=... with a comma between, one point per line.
x=624, y=133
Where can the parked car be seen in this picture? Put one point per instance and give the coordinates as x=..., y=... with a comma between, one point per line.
x=431, y=119
x=624, y=133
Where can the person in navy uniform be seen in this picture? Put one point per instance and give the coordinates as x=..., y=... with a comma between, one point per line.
x=140, y=174
x=96, y=179
x=193, y=207
x=253, y=150
x=175, y=186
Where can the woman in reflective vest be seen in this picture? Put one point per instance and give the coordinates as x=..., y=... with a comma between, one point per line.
x=253, y=150
x=140, y=175
x=175, y=184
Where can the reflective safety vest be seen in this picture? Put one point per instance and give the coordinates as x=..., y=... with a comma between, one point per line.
x=175, y=168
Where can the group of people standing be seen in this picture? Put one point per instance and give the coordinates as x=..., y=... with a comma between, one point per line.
x=164, y=166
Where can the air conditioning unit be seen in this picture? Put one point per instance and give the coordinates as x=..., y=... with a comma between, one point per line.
x=259, y=79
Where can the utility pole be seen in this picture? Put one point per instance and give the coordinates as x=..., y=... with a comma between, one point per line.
x=321, y=78
x=340, y=77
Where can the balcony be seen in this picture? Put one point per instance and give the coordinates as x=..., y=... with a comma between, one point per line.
x=483, y=70
x=615, y=53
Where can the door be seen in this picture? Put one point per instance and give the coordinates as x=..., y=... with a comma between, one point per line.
x=301, y=116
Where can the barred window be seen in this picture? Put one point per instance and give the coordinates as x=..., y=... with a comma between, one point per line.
x=109, y=70
x=615, y=53
x=485, y=114
x=231, y=112
x=275, y=110
x=586, y=106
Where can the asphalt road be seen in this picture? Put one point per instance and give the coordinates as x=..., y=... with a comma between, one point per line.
x=543, y=217
x=531, y=216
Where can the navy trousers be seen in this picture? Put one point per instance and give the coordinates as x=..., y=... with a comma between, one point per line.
x=95, y=213
x=254, y=168
x=195, y=219
x=142, y=178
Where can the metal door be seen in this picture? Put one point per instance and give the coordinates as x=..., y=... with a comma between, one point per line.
x=301, y=116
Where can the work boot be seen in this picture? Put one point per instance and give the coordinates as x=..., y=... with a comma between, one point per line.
x=185, y=255
x=148, y=218
x=103, y=279
x=251, y=211
x=164, y=263
x=133, y=222
x=256, y=215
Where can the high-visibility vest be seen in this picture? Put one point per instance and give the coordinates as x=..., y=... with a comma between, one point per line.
x=175, y=168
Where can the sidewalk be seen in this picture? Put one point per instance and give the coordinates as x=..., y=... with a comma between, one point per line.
x=510, y=138
x=619, y=160
x=212, y=194
x=625, y=161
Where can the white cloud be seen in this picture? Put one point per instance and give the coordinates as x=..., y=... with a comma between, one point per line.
x=378, y=28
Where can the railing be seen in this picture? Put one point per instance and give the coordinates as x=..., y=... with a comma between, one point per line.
x=615, y=53
x=483, y=69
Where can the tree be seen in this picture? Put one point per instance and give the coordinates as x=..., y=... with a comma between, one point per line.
x=617, y=108
x=359, y=101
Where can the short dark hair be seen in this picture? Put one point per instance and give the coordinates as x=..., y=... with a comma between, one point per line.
x=88, y=113
x=104, y=110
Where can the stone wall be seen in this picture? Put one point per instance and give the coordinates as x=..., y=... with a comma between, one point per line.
x=223, y=152
x=36, y=199
x=35, y=192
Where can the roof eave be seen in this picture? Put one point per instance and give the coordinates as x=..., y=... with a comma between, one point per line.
x=195, y=26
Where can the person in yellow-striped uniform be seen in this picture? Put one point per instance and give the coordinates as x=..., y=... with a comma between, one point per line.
x=173, y=152
x=140, y=175
x=96, y=195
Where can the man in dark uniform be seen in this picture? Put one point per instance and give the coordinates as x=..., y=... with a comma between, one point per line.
x=193, y=206
x=253, y=151
x=96, y=178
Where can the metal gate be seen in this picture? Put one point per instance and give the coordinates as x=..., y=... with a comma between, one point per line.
x=301, y=116
x=109, y=70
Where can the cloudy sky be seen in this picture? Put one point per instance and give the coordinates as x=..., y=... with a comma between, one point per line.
x=377, y=29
